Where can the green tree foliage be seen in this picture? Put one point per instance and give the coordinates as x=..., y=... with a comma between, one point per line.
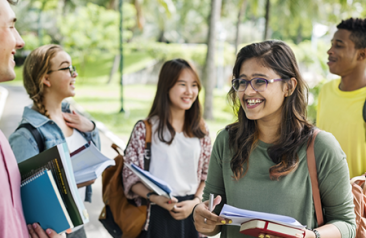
x=92, y=30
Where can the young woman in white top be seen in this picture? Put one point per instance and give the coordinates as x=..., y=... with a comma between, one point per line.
x=180, y=152
x=49, y=78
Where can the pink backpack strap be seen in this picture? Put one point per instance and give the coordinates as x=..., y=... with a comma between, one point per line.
x=314, y=179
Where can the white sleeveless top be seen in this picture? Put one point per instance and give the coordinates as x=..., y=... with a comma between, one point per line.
x=176, y=163
x=74, y=142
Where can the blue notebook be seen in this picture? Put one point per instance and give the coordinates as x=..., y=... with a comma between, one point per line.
x=42, y=202
x=158, y=182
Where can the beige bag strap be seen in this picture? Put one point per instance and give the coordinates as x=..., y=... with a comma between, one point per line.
x=314, y=179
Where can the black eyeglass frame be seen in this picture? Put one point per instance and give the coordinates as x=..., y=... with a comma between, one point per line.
x=71, y=69
x=250, y=82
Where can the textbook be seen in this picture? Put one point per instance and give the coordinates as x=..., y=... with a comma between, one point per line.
x=240, y=217
x=88, y=163
x=57, y=160
x=256, y=227
x=42, y=202
x=152, y=182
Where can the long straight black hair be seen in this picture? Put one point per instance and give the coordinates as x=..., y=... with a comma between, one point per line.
x=193, y=122
x=294, y=129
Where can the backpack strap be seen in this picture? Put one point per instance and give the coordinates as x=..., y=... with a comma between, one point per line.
x=147, y=155
x=364, y=112
x=314, y=179
x=36, y=135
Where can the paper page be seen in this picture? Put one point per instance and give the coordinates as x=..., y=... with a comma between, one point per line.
x=66, y=161
x=148, y=183
x=88, y=157
x=162, y=184
x=238, y=216
x=92, y=172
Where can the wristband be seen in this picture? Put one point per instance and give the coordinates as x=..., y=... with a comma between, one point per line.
x=317, y=235
x=200, y=200
x=193, y=210
x=149, y=194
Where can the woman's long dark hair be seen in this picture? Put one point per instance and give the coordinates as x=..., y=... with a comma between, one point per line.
x=294, y=129
x=193, y=122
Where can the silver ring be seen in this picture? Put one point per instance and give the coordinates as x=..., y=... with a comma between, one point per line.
x=205, y=220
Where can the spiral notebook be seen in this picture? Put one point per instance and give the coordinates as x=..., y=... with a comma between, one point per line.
x=42, y=202
x=57, y=160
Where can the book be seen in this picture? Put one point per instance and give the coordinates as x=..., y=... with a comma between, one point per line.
x=157, y=185
x=57, y=160
x=242, y=216
x=88, y=163
x=40, y=195
x=256, y=227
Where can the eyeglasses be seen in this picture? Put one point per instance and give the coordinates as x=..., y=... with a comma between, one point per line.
x=71, y=68
x=258, y=84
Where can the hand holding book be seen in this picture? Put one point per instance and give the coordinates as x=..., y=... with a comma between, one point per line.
x=204, y=220
x=35, y=231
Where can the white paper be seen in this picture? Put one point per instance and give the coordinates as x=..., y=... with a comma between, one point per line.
x=150, y=181
x=89, y=164
x=66, y=162
x=238, y=216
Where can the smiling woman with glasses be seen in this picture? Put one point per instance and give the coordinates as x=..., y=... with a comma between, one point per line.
x=259, y=162
x=49, y=78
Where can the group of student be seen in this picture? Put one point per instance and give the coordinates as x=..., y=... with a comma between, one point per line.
x=257, y=163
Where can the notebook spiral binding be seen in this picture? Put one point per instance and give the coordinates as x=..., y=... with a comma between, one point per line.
x=33, y=177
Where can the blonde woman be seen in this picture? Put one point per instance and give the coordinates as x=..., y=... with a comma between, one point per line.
x=49, y=78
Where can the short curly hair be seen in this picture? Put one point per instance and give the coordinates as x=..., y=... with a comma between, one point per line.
x=357, y=27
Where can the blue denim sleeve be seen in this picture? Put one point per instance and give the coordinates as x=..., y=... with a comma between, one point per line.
x=23, y=145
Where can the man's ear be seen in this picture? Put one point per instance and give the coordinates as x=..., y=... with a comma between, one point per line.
x=46, y=81
x=361, y=54
x=290, y=86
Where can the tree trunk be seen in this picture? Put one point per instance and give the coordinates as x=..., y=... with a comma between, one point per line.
x=209, y=72
x=139, y=16
x=268, y=7
x=240, y=14
x=299, y=34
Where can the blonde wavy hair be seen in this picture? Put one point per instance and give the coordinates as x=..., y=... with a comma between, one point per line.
x=36, y=66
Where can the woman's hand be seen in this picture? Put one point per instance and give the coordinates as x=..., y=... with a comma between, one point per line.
x=183, y=209
x=163, y=201
x=206, y=221
x=77, y=121
x=35, y=231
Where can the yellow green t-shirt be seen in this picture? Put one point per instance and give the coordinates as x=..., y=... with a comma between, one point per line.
x=340, y=113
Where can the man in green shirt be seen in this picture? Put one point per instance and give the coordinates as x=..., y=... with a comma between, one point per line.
x=341, y=101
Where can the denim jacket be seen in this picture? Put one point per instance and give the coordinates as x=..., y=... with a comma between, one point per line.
x=24, y=145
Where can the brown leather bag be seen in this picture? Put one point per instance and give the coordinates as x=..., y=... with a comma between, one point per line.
x=120, y=216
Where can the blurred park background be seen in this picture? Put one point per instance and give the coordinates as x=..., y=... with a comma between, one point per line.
x=148, y=32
